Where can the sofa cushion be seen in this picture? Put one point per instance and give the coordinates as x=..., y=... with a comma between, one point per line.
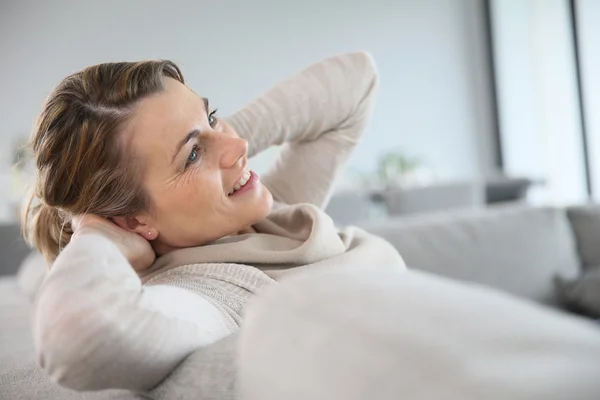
x=518, y=249
x=581, y=295
x=585, y=222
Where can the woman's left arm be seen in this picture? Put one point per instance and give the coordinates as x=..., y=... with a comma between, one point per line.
x=319, y=114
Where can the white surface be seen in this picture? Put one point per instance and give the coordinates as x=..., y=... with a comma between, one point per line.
x=541, y=133
x=433, y=101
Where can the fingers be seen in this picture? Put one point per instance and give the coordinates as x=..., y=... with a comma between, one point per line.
x=82, y=220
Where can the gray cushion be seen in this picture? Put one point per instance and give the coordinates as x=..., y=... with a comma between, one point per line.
x=585, y=222
x=581, y=295
x=516, y=249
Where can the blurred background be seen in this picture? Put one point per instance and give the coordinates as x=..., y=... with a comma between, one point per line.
x=481, y=101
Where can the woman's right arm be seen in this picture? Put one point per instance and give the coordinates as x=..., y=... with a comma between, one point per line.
x=96, y=327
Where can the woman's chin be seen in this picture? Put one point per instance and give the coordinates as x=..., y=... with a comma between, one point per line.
x=257, y=211
x=267, y=202
x=268, y=198
x=260, y=208
x=257, y=200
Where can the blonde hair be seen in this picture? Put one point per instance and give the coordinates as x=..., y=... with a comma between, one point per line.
x=82, y=166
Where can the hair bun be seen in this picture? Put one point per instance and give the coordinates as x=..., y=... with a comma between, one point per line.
x=48, y=229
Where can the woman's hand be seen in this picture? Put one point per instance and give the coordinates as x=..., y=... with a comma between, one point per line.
x=134, y=247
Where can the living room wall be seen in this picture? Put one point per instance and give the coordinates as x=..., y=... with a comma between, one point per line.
x=434, y=101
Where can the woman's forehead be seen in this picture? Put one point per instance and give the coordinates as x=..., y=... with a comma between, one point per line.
x=173, y=106
x=163, y=119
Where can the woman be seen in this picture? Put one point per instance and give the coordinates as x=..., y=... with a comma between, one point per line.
x=158, y=232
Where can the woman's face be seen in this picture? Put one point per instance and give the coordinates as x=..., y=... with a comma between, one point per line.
x=193, y=164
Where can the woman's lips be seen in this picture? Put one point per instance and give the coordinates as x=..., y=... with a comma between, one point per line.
x=251, y=184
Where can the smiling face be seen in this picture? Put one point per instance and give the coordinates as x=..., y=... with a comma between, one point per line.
x=192, y=161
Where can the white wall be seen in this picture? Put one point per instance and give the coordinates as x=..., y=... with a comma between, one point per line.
x=433, y=102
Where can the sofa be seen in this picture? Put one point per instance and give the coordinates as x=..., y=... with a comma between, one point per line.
x=518, y=251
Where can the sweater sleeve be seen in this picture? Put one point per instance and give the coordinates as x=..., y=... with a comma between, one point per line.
x=96, y=327
x=318, y=115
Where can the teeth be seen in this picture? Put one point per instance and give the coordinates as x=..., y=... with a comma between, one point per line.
x=243, y=180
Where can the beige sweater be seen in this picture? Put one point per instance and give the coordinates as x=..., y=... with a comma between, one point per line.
x=98, y=325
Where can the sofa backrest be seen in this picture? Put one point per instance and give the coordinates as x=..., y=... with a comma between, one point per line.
x=517, y=249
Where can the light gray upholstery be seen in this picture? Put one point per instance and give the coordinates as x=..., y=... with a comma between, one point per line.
x=518, y=249
x=585, y=222
x=350, y=207
x=450, y=196
x=208, y=374
x=581, y=295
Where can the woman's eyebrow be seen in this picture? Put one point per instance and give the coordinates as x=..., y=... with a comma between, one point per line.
x=192, y=135
x=206, y=104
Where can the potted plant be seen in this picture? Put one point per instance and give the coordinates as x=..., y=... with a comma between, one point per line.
x=395, y=169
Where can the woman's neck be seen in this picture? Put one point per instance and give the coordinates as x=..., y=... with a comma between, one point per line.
x=248, y=229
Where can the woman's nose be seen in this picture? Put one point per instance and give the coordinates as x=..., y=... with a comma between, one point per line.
x=234, y=149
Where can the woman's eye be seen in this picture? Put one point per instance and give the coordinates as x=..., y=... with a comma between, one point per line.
x=193, y=156
x=213, y=119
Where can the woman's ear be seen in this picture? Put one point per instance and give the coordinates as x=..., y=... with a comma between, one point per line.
x=137, y=225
